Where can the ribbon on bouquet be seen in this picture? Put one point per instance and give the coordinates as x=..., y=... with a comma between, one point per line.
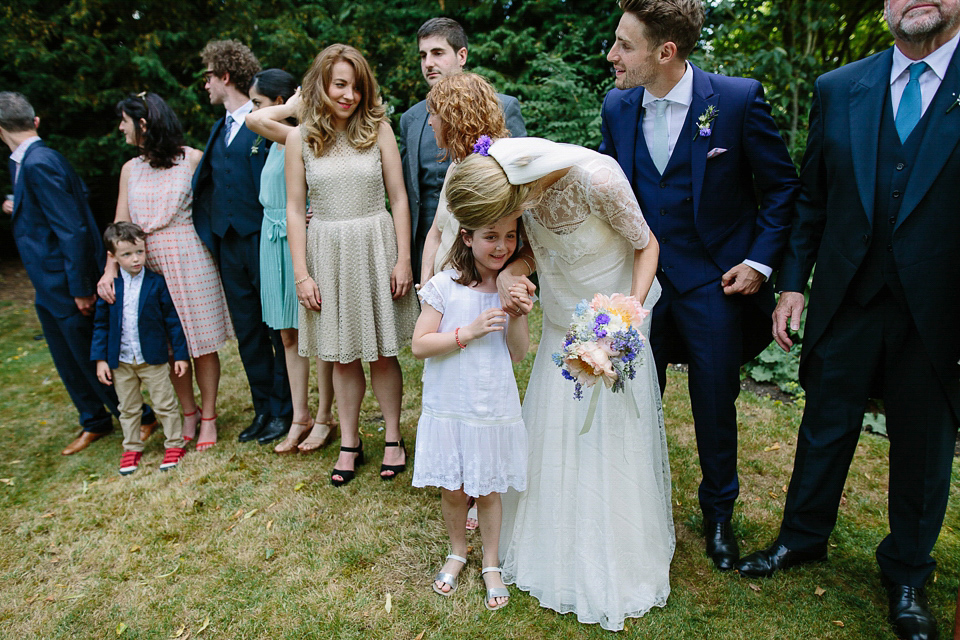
x=592, y=409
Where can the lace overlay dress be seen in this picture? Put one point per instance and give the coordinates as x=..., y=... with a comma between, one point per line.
x=351, y=252
x=470, y=432
x=161, y=202
x=593, y=534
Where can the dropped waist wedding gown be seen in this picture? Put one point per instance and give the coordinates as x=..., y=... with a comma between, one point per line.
x=593, y=533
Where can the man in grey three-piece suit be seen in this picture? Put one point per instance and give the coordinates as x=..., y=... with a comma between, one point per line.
x=443, y=52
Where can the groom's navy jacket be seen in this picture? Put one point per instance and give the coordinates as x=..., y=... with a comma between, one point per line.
x=721, y=210
x=722, y=198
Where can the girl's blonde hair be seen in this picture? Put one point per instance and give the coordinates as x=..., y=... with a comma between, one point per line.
x=479, y=193
x=317, y=109
x=460, y=256
x=468, y=108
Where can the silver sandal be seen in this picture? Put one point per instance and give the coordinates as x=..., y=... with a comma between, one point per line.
x=447, y=578
x=494, y=592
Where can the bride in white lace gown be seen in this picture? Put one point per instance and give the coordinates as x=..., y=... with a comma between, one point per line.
x=593, y=534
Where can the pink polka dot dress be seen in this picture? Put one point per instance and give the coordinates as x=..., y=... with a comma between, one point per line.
x=161, y=202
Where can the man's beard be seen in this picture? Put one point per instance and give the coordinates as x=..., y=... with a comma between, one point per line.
x=921, y=30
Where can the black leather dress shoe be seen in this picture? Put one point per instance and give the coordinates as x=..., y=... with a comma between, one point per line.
x=256, y=427
x=721, y=544
x=765, y=563
x=909, y=612
x=275, y=429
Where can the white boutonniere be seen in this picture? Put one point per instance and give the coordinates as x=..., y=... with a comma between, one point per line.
x=255, y=149
x=954, y=104
x=705, y=121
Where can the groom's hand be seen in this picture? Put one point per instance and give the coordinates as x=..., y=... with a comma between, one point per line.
x=789, y=307
x=742, y=279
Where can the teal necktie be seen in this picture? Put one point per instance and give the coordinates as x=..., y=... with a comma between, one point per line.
x=911, y=104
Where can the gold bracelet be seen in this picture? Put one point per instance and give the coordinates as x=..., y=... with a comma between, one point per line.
x=297, y=283
x=528, y=265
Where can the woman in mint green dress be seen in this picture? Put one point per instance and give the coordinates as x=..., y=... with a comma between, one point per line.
x=275, y=100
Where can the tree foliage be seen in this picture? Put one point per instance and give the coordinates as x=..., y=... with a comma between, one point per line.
x=786, y=44
x=74, y=60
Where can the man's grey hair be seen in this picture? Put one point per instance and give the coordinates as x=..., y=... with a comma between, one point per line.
x=16, y=114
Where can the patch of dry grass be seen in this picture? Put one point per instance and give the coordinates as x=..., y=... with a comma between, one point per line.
x=257, y=546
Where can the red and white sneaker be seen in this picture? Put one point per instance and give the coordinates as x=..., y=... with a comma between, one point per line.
x=172, y=457
x=129, y=462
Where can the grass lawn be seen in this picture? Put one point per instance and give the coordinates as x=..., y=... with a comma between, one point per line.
x=240, y=543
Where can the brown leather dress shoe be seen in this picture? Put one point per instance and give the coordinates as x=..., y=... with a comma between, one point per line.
x=84, y=440
x=146, y=430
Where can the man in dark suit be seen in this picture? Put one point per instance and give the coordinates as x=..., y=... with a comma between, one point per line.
x=228, y=216
x=877, y=213
x=700, y=150
x=60, y=246
x=443, y=52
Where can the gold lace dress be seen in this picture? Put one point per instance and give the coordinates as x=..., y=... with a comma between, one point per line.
x=351, y=252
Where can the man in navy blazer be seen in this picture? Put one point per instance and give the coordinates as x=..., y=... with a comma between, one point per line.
x=716, y=186
x=443, y=52
x=877, y=213
x=228, y=215
x=60, y=246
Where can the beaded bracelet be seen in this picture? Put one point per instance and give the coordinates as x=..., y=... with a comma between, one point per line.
x=297, y=283
x=456, y=336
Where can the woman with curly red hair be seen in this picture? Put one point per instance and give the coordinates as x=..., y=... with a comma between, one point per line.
x=462, y=108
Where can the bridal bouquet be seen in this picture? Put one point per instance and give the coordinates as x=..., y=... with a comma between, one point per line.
x=603, y=343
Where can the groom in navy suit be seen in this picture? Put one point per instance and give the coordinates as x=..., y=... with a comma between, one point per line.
x=60, y=246
x=877, y=213
x=717, y=187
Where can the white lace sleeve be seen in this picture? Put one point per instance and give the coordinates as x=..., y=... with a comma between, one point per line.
x=430, y=293
x=612, y=199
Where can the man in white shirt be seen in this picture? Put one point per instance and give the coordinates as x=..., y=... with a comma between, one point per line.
x=228, y=216
x=717, y=188
x=877, y=214
x=60, y=246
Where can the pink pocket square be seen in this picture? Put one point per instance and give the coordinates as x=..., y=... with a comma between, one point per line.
x=716, y=151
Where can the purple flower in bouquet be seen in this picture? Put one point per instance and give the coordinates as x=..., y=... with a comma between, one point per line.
x=603, y=343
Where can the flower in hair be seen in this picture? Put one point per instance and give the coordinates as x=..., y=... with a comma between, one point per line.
x=482, y=145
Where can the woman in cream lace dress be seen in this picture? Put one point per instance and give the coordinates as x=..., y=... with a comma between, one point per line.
x=593, y=533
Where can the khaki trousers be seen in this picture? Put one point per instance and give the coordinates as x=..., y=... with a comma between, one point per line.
x=127, y=380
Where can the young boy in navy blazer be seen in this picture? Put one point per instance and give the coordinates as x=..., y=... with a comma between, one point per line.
x=130, y=346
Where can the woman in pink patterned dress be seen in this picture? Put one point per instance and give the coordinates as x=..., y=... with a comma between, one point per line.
x=155, y=193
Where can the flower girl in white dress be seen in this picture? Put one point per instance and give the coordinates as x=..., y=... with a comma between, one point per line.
x=471, y=440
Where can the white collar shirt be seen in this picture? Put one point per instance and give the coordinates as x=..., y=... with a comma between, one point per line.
x=937, y=64
x=130, y=351
x=238, y=118
x=678, y=104
x=19, y=152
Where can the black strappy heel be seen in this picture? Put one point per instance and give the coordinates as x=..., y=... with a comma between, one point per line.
x=396, y=468
x=348, y=475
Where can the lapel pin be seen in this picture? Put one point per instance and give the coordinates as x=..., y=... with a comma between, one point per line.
x=954, y=103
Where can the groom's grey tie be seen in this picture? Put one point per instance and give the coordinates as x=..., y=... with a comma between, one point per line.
x=661, y=151
x=911, y=104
